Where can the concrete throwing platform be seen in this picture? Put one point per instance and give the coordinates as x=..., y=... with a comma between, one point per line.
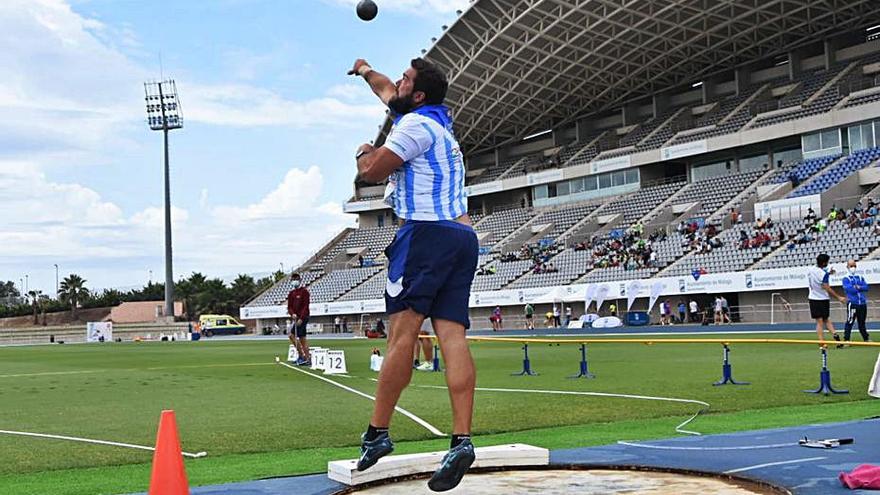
x=769, y=456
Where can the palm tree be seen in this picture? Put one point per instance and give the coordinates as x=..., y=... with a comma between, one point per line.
x=35, y=296
x=73, y=291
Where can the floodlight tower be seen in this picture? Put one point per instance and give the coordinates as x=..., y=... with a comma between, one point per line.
x=163, y=114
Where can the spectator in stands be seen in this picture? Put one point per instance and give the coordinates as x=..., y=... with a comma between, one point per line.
x=780, y=236
x=811, y=215
x=820, y=293
x=853, y=220
x=529, y=311
x=431, y=262
x=759, y=224
x=832, y=214
x=695, y=311
x=794, y=179
x=298, y=309
x=743, y=239
x=360, y=261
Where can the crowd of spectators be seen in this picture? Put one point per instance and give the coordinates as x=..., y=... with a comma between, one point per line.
x=701, y=240
x=539, y=254
x=629, y=249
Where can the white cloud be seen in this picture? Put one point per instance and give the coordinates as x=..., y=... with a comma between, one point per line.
x=72, y=96
x=29, y=199
x=203, y=198
x=72, y=225
x=154, y=218
x=244, y=105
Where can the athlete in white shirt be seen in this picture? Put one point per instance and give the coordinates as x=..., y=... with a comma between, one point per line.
x=820, y=296
x=433, y=257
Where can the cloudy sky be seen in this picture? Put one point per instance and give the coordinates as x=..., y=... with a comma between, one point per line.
x=261, y=168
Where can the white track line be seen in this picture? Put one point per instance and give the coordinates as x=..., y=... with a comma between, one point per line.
x=769, y=464
x=401, y=410
x=672, y=447
x=678, y=429
x=93, y=441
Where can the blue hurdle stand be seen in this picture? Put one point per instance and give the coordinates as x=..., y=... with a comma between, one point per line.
x=727, y=371
x=584, y=371
x=527, y=365
x=436, y=364
x=825, y=379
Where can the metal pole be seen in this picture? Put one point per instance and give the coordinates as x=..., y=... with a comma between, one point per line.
x=169, y=275
x=773, y=307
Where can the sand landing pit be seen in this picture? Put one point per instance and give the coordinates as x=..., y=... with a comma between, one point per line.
x=581, y=482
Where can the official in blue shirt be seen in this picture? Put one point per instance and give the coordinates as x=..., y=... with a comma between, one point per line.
x=856, y=289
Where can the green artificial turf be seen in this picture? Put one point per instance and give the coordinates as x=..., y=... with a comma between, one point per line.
x=258, y=419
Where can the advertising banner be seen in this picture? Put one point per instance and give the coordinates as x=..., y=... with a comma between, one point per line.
x=101, y=331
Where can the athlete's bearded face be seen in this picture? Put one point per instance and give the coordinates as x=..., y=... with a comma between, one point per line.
x=406, y=100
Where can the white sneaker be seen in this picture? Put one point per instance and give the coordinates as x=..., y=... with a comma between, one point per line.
x=426, y=366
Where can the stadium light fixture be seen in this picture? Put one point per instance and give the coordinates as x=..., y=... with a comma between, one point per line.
x=163, y=114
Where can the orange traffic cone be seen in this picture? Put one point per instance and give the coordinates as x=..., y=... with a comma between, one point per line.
x=169, y=475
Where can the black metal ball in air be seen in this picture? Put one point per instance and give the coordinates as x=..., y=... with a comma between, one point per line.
x=367, y=10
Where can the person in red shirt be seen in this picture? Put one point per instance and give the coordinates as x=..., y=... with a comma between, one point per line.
x=298, y=309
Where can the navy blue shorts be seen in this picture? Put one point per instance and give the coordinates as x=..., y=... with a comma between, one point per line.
x=300, y=330
x=431, y=267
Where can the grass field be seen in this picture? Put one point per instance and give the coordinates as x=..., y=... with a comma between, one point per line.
x=258, y=419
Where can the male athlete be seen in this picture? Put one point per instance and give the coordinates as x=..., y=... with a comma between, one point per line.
x=820, y=296
x=433, y=257
x=298, y=309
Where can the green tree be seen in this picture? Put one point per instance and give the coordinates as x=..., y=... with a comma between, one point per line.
x=243, y=289
x=36, y=298
x=8, y=289
x=73, y=291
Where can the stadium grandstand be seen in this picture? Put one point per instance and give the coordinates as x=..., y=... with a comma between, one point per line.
x=698, y=148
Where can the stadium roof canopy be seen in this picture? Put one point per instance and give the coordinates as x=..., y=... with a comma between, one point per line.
x=519, y=67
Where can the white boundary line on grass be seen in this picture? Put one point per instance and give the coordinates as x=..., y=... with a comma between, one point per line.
x=93, y=441
x=678, y=429
x=401, y=410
